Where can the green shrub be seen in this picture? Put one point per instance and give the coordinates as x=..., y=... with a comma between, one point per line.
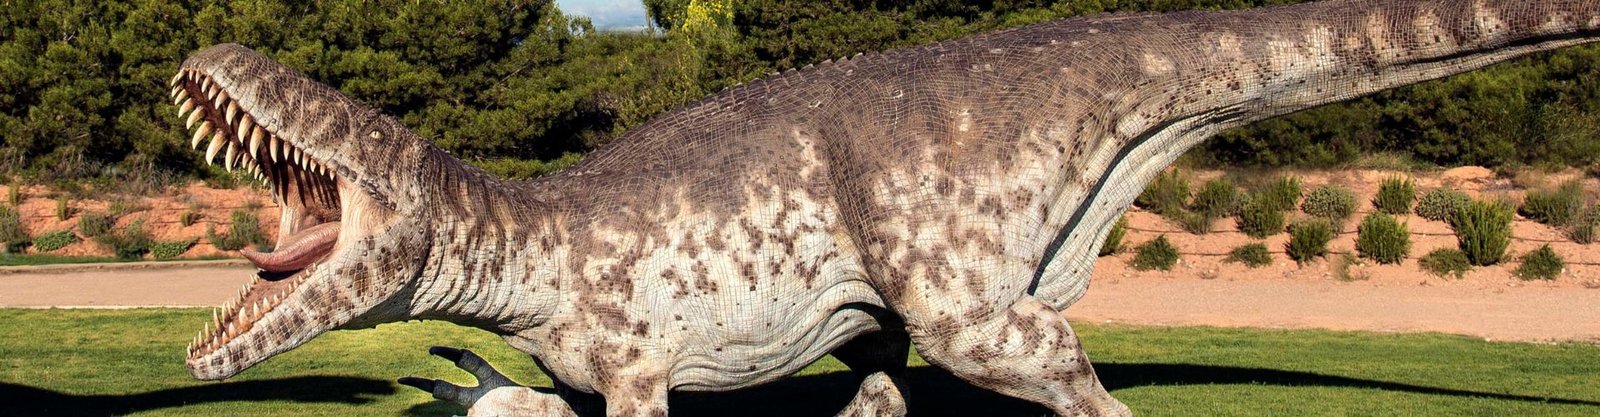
x=1254, y=255
x=1583, y=230
x=14, y=195
x=1440, y=204
x=1395, y=196
x=189, y=218
x=49, y=242
x=95, y=224
x=131, y=243
x=1445, y=262
x=1308, y=239
x=1283, y=194
x=1541, y=264
x=13, y=235
x=1483, y=229
x=244, y=230
x=1217, y=198
x=1329, y=202
x=1259, y=220
x=1193, y=221
x=1155, y=254
x=170, y=249
x=1558, y=206
x=1383, y=239
x=1113, y=243
x=1167, y=194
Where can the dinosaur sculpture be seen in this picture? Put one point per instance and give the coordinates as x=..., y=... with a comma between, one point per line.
x=951, y=195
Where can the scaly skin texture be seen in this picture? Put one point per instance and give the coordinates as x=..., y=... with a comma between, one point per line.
x=952, y=195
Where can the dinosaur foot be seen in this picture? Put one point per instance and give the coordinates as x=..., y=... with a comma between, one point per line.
x=495, y=394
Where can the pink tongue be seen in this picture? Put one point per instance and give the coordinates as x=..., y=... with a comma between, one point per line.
x=296, y=251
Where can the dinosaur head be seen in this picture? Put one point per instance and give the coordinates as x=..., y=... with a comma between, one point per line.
x=348, y=181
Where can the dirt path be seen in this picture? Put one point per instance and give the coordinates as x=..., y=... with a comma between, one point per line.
x=1496, y=310
x=123, y=287
x=1521, y=313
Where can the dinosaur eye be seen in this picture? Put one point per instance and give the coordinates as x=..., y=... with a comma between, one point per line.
x=376, y=135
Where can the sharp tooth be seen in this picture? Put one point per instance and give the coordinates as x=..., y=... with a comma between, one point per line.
x=188, y=104
x=211, y=91
x=258, y=137
x=178, y=95
x=245, y=125
x=216, y=146
x=193, y=117
x=205, y=129
x=176, y=77
x=233, y=153
x=233, y=109
x=272, y=147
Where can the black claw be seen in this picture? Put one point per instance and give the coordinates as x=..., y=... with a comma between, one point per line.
x=419, y=383
x=453, y=354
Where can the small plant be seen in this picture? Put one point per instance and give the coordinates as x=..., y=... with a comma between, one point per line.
x=1259, y=220
x=1395, y=196
x=1558, y=206
x=1541, y=264
x=1445, y=262
x=1155, y=254
x=1113, y=243
x=1217, y=198
x=1440, y=204
x=1483, y=229
x=124, y=206
x=1283, y=194
x=189, y=218
x=1166, y=194
x=1193, y=221
x=1329, y=202
x=131, y=243
x=1383, y=239
x=50, y=242
x=1308, y=240
x=1343, y=272
x=1254, y=255
x=253, y=205
x=63, y=207
x=244, y=230
x=1583, y=230
x=13, y=235
x=14, y=195
x=95, y=224
x=170, y=249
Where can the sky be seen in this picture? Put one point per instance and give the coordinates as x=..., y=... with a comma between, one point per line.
x=607, y=14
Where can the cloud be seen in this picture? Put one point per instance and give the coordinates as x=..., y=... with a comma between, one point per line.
x=607, y=14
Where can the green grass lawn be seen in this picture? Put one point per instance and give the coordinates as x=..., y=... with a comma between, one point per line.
x=98, y=362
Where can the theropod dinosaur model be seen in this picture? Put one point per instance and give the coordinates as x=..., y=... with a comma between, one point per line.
x=951, y=195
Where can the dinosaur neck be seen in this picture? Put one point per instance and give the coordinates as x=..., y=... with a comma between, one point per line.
x=493, y=262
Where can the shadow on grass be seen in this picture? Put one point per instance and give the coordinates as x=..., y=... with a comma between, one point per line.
x=934, y=392
x=26, y=400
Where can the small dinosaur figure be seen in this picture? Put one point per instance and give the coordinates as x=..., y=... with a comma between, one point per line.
x=951, y=196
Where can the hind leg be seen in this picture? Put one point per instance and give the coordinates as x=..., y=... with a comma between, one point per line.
x=974, y=319
x=880, y=360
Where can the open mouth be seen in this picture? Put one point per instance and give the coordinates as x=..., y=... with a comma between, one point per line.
x=307, y=191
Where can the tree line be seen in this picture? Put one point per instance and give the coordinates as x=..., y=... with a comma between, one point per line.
x=522, y=89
